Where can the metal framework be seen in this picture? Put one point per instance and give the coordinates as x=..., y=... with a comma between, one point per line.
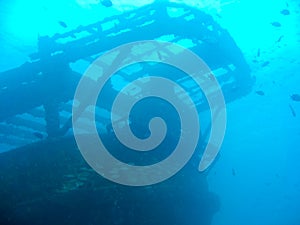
x=36, y=97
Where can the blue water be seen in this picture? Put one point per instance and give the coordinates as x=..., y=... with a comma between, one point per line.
x=256, y=174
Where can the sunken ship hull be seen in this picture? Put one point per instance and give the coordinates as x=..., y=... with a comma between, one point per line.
x=48, y=181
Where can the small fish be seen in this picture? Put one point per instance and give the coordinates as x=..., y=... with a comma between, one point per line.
x=265, y=64
x=285, y=12
x=218, y=15
x=295, y=97
x=38, y=135
x=276, y=24
x=258, y=52
x=63, y=24
x=261, y=93
x=268, y=183
x=106, y=3
x=280, y=38
x=233, y=172
x=292, y=110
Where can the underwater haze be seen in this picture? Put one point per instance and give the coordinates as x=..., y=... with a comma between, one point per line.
x=254, y=179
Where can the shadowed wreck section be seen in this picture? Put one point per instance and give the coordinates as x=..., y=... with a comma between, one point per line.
x=50, y=183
